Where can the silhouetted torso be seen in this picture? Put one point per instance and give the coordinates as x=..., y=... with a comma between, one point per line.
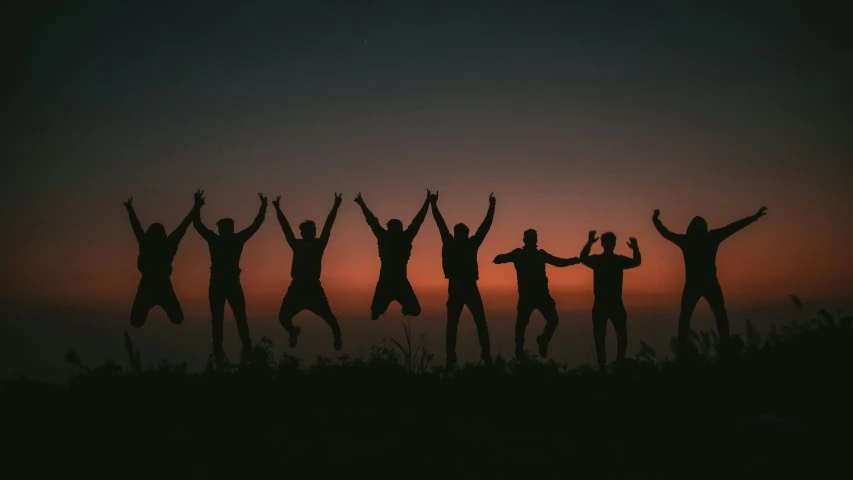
x=608, y=274
x=700, y=257
x=459, y=259
x=156, y=257
x=225, y=252
x=529, y=265
x=307, y=259
x=395, y=249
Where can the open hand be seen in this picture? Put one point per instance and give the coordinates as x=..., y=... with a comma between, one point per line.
x=761, y=212
x=434, y=197
x=592, y=238
x=263, y=199
x=492, y=198
x=429, y=195
x=199, y=198
x=632, y=243
x=277, y=202
x=128, y=203
x=338, y=198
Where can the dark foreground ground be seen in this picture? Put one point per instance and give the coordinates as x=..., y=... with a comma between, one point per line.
x=780, y=407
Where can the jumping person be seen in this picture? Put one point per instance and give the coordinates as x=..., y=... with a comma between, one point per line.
x=607, y=286
x=156, y=253
x=305, y=291
x=699, y=248
x=533, y=293
x=459, y=262
x=395, y=249
x=226, y=247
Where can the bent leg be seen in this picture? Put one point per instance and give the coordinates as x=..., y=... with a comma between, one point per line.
x=290, y=306
x=548, y=307
x=475, y=306
x=714, y=296
x=382, y=298
x=171, y=305
x=524, y=310
x=319, y=305
x=689, y=298
x=237, y=300
x=408, y=300
x=142, y=303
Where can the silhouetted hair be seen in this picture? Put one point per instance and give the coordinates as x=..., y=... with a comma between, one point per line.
x=530, y=236
x=395, y=225
x=156, y=230
x=307, y=225
x=226, y=224
x=608, y=240
x=460, y=230
x=697, y=226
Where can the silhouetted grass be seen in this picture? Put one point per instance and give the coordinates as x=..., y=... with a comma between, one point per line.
x=774, y=404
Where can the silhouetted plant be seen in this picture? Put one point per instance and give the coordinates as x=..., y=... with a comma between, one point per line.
x=133, y=356
x=416, y=359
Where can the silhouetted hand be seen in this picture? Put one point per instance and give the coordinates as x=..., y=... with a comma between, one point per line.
x=491, y=198
x=592, y=238
x=429, y=195
x=198, y=196
x=338, y=198
x=434, y=197
x=632, y=243
x=263, y=199
x=761, y=212
x=656, y=215
x=277, y=202
x=358, y=199
x=128, y=203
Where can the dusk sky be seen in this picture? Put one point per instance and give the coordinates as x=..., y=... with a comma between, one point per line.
x=577, y=115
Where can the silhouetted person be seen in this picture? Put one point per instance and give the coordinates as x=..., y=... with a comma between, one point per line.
x=533, y=293
x=699, y=247
x=395, y=249
x=156, y=253
x=607, y=287
x=226, y=247
x=459, y=261
x=305, y=291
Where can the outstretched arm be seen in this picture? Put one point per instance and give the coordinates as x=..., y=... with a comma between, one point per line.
x=559, y=262
x=505, y=257
x=727, y=231
x=202, y=230
x=419, y=218
x=138, y=232
x=179, y=232
x=439, y=220
x=665, y=233
x=636, y=260
x=259, y=219
x=282, y=220
x=330, y=220
x=487, y=222
x=584, y=256
x=372, y=221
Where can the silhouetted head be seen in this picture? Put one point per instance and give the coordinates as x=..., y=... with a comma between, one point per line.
x=226, y=226
x=460, y=230
x=156, y=232
x=608, y=241
x=698, y=226
x=308, y=229
x=395, y=225
x=530, y=238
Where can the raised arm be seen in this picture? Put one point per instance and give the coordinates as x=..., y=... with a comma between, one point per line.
x=179, y=232
x=636, y=260
x=419, y=218
x=727, y=231
x=202, y=230
x=505, y=257
x=559, y=262
x=282, y=220
x=330, y=220
x=372, y=221
x=665, y=233
x=138, y=232
x=487, y=222
x=439, y=220
x=259, y=219
x=584, y=256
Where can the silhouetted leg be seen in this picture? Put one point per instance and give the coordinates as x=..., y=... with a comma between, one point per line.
x=290, y=306
x=714, y=296
x=319, y=305
x=408, y=300
x=171, y=305
x=142, y=303
x=599, y=333
x=548, y=307
x=216, y=297
x=382, y=298
x=525, y=309
x=619, y=319
x=237, y=300
x=689, y=298
x=455, y=303
x=475, y=306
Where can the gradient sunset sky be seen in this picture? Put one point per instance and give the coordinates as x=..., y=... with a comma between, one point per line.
x=577, y=115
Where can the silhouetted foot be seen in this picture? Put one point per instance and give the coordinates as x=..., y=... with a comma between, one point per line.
x=543, y=347
x=293, y=336
x=486, y=358
x=374, y=316
x=450, y=364
x=338, y=343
